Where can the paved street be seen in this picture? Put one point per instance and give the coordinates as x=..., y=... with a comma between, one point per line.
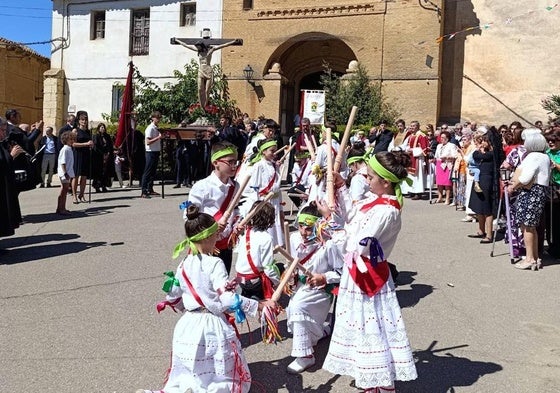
x=78, y=299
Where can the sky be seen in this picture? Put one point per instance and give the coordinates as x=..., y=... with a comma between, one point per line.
x=27, y=21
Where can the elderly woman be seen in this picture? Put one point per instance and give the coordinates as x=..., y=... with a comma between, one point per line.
x=10, y=214
x=532, y=178
x=445, y=158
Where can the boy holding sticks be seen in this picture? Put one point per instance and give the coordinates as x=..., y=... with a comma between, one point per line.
x=214, y=195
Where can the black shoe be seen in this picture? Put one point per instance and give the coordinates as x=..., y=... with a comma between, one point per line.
x=145, y=196
x=48, y=185
x=42, y=185
x=154, y=193
x=177, y=186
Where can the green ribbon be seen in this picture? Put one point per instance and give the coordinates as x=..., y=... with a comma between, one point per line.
x=307, y=219
x=354, y=159
x=267, y=145
x=230, y=150
x=169, y=282
x=385, y=174
x=188, y=242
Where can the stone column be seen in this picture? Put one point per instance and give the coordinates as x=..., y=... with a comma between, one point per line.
x=53, y=98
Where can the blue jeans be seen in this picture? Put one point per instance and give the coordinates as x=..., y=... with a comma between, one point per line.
x=152, y=158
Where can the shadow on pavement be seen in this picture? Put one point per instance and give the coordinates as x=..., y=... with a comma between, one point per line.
x=441, y=374
x=38, y=252
x=28, y=240
x=271, y=376
x=89, y=211
x=411, y=297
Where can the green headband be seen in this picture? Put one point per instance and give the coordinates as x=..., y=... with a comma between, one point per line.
x=266, y=145
x=385, y=174
x=354, y=159
x=307, y=219
x=189, y=241
x=230, y=150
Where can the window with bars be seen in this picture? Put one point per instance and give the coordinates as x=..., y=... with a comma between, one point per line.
x=140, y=33
x=117, y=95
x=188, y=14
x=97, y=25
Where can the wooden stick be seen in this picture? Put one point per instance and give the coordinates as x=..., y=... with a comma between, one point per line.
x=330, y=175
x=345, y=138
x=236, y=197
x=287, y=235
x=298, y=195
x=309, y=147
x=290, y=259
x=287, y=277
x=250, y=215
x=281, y=160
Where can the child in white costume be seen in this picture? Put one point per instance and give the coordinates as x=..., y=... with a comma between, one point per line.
x=265, y=179
x=359, y=187
x=214, y=193
x=369, y=340
x=311, y=301
x=255, y=267
x=207, y=355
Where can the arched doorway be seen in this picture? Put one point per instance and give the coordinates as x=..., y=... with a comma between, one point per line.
x=302, y=59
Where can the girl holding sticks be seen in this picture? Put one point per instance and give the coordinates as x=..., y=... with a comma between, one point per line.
x=207, y=355
x=311, y=301
x=256, y=270
x=369, y=340
x=265, y=178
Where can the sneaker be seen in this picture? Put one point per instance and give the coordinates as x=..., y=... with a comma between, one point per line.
x=468, y=219
x=477, y=187
x=300, y=364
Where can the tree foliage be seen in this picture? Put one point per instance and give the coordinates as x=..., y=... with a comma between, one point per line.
x=552, y=104
x=341, y=94
x=178, y=101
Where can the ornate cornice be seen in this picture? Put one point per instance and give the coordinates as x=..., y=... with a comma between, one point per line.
x=331, y=11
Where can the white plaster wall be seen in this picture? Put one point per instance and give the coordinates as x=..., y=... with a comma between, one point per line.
x=517, y=62
x=92, y=67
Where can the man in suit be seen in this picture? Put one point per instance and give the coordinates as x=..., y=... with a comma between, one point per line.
x=20, y=137
x=50, y=155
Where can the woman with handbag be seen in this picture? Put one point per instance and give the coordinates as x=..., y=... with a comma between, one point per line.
x=445, y=158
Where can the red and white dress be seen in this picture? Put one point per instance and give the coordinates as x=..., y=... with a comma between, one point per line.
x=207, y=355
x=369, y=340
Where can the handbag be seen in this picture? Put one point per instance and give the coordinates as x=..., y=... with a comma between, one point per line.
x=26, y=172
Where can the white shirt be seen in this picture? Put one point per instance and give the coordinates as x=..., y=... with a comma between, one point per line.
x=66, y=157
x=536, y=166
x=261, y=253
x=152, y=132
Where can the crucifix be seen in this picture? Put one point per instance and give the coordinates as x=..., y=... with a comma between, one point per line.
x=205, y=47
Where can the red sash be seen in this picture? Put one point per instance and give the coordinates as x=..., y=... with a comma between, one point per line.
x=223, y=244
x=380, y=201
x=301, y=174
x=265, y=280
x=373, y=280
x=267, y=189
x=229, y=318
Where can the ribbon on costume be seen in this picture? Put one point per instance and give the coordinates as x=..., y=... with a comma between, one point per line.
x=170, y=282
x=390, y=176
x=375, y=250
x=237, y=310
x=188, y=242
